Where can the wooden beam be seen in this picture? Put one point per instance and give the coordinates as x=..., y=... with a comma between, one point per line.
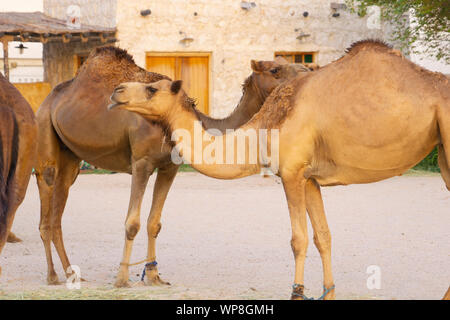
x=84, y=37
x=66, y=37
x=5, y=57
x=24, y=36
x=44, y=37
x=103, y=37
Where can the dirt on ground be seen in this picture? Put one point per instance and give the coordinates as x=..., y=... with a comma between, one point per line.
x=225, y=239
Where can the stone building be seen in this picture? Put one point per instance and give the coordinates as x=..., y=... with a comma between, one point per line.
x=209, y=43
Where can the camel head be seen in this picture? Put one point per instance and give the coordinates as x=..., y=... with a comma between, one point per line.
x=268, y=75
x=150, y=100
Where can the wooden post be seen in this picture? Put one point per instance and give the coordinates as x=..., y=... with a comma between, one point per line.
x=5, y=58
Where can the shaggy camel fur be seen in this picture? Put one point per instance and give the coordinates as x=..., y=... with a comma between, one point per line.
x=74, y=125
x=369, y=116
x=17, y=153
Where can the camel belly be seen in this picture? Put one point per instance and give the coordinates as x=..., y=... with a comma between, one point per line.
x=371, y=164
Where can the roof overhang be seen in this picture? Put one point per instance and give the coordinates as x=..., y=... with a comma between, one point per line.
x=38, y=27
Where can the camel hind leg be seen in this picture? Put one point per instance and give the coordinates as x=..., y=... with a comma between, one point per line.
x=54, y=176
x=444, y=155
x=12, y=238
x=68, y=171
x=444, y=147
x=444, y=165
x=56, y=168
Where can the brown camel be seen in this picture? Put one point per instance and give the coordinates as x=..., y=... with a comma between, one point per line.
x=74, y=125
x=369, y=116
x=17, y=153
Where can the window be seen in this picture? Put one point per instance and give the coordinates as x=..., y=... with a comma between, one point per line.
x=298, y=57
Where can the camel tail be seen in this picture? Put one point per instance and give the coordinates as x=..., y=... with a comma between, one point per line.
x=9, y=144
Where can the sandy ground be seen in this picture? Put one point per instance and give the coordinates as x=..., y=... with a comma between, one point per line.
x=231, y=240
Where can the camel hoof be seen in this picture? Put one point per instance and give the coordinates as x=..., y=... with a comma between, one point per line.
x=156, y=281
x=12, y=238
x=52, y=280
x=296, y=298
x=121, y=283
x=330, y=296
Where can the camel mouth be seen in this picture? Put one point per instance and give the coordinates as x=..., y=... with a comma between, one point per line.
x=115, y=105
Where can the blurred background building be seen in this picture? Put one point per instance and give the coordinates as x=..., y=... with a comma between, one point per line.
x=209, y=44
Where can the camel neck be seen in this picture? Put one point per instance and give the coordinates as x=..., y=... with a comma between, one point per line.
x=220, y=156
x=249, y=104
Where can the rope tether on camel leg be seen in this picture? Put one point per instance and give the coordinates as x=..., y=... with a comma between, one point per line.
x=150, y=264
x=300, y=288
x=134, y=264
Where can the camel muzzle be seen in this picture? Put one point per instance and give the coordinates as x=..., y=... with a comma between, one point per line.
x=115, y=103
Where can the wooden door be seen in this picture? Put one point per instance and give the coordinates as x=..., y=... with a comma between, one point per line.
x=192, y=69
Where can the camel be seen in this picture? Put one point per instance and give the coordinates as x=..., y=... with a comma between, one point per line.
x=9, y=145
x=368, y=116
x=74, y=126
x=17, y=154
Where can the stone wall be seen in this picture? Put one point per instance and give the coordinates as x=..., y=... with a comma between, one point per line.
x=232, y=35
x=93, y=12
x=59, y=63
x=235, y=36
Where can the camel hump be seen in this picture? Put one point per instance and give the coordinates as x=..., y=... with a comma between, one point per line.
x=368, y=43
x=115, y=52
x=62, y=85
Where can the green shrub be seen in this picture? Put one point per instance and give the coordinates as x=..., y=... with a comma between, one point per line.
x=430, y=163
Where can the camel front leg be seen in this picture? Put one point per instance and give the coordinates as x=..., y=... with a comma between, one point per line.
x=294, y=187
x=162, y=186
x=140, y=175
x=322, y=236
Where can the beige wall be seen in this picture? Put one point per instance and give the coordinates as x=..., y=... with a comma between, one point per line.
x=93, y=12
x=235, y=36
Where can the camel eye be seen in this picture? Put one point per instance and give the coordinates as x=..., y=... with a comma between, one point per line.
x=274, y=70
x=151, y=90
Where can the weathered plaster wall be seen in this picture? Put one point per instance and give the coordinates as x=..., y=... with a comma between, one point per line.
x=235, y=36
x=59, y=63
x=93, y=12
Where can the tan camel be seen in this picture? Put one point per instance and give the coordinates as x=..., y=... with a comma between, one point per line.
x=74, y=125
x=369, y=116
x=16, y=156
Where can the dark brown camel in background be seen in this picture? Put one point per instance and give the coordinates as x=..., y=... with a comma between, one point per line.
x=74, y=125
x=17, y=153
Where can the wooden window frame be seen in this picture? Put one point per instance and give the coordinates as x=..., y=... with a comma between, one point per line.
x=207, y=54
x=77, y=61
x=303, y=53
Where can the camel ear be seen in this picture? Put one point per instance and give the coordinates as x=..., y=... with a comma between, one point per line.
x=280, y=60
x=255, y=65
x=176, y=86
x=313, y=66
